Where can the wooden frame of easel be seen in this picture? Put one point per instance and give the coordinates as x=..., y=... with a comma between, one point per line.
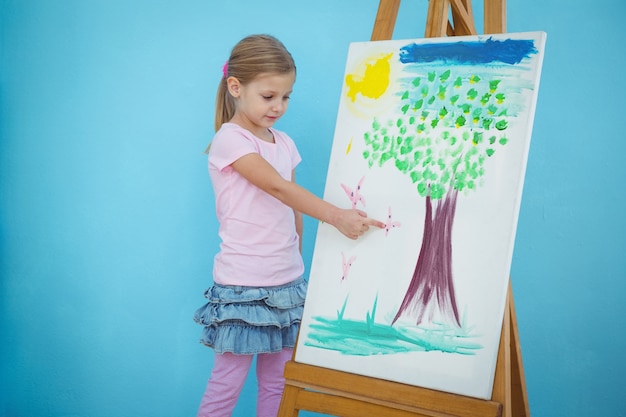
x=343, y=394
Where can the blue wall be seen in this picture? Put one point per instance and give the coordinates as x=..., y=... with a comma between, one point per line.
x=107, y=224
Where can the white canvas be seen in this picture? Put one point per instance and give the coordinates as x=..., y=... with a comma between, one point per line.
x=432, y=138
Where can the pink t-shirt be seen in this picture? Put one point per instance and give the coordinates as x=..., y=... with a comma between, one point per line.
x=259, y=244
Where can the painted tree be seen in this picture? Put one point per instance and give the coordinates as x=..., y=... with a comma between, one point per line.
x=449, y=125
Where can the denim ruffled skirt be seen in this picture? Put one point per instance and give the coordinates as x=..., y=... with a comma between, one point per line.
x=250, y=320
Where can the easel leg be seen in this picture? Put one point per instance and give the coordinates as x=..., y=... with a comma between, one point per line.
x=519, y=396
x=437, y=20
x=509, y=387
x=495, y=16
x=385, y=20
x=288, y=402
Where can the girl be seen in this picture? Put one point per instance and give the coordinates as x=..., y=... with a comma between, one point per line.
x=256, y=302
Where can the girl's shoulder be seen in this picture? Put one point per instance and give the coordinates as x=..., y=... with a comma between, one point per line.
x=231, y=129
x=231, y=134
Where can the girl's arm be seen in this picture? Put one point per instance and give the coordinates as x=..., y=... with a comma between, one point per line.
x=298, y=216
x=351, y=222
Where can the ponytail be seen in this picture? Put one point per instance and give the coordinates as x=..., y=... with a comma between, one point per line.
x=224, y=105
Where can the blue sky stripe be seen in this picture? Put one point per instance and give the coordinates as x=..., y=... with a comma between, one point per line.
x=508, y=51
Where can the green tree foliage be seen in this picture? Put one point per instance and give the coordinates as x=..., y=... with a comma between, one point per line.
x=447, y=128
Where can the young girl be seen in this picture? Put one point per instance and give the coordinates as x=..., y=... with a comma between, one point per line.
x=256, y=302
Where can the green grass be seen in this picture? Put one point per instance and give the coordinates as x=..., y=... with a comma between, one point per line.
x=366, y=337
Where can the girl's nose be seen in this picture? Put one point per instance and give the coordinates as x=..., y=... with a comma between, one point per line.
x=278, y=107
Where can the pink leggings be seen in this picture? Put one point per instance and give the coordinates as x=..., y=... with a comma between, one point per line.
x=228, y=377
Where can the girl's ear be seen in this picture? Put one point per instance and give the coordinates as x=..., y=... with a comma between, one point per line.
x=234, y=86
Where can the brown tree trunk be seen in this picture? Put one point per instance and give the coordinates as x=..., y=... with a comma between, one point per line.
x=431, y=289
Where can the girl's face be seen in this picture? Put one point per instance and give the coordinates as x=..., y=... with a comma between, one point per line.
x=260, y=103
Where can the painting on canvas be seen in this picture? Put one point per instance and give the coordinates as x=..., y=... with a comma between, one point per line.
x=432, y=138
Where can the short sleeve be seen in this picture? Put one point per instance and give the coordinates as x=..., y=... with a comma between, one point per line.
x=229, y=145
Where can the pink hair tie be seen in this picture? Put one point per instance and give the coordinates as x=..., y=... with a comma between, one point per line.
x=225, y=69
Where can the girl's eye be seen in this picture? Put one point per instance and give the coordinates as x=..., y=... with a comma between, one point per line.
x=267, y=97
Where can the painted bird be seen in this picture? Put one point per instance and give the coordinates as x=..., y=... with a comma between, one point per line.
x=390, y=224
x=355, y=196
x=346, y=265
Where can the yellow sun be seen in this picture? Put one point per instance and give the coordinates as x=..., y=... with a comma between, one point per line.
x=373, y=80
x=368, y=85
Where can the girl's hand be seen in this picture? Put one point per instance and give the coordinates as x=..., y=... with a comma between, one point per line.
x=354, y=223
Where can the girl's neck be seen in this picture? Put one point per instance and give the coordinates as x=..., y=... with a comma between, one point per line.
x=265, y=134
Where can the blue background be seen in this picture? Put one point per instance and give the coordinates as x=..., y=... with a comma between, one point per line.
x=107, y=224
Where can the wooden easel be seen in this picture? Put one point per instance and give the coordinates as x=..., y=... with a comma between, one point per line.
x=343, y=394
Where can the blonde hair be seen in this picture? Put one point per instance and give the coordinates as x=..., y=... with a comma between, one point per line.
x=253, y=55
